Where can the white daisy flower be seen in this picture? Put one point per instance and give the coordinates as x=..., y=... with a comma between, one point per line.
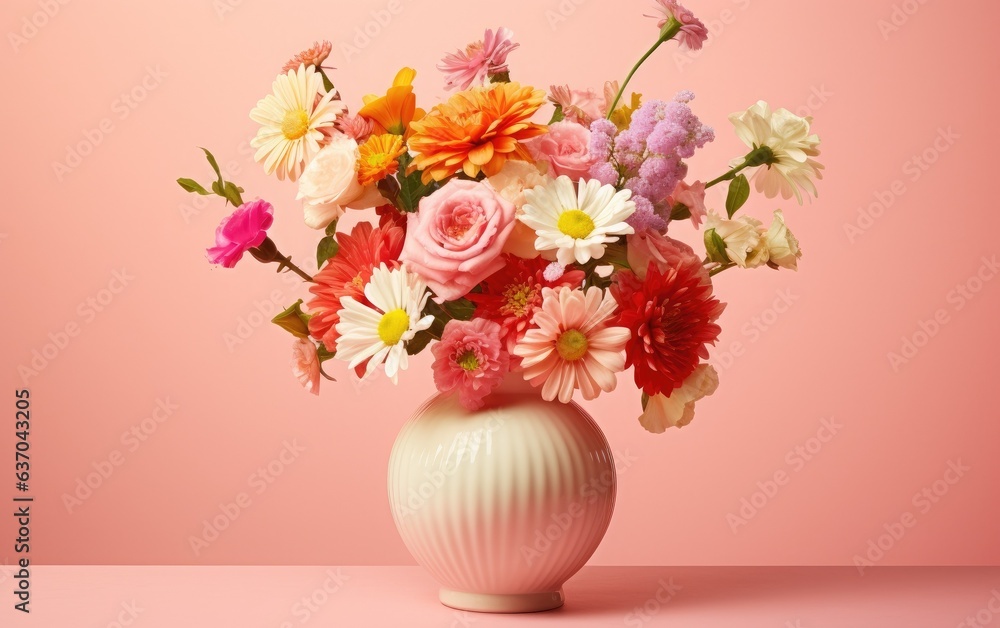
x=291, y=118
x=578, y=223
x=791, y=170
x=379, y=333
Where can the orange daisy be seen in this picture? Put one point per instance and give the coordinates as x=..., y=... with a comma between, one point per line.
x=378, y=157
x=477, y=130
x=393, y=112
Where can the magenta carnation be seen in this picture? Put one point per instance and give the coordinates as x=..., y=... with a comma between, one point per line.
x=469, y=359
x=241, y=231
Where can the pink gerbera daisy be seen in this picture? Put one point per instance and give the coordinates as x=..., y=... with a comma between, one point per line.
x=479, y=60
x=693, y=32
x=572, y=346
x=470, y=359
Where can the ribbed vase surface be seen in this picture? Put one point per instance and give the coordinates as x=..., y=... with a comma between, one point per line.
x=504, y=504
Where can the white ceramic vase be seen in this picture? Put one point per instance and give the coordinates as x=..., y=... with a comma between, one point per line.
x=504, y=504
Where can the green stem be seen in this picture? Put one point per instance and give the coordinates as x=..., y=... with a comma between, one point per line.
x=759, y=156
x=669, y=30
x=718, y=269
x=728, y=176
x=287, y=262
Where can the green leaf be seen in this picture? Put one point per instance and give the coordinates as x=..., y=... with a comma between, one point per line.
x=411, y=188
x=215, y=166
x=326, y=249
x=557, y=115
x=739, y=192
x=293, y=320
x=190, y=185
x=460, y=309
x=219, y=189
x=419, y=342
x=232, y=193
x=715, y=246
x=331, y=228
x=324, y=354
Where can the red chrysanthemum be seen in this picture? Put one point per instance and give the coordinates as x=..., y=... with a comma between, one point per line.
x=511, y=295
x=672, y=317
x=346, y=274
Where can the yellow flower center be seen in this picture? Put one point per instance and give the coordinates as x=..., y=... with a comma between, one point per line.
x=517, y=297
x=295, y=124
x=575, y=223
x=572, y=345
x=393, y=325
x=468, y=361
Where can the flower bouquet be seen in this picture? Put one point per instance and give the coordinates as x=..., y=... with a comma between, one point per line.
x=508, y=247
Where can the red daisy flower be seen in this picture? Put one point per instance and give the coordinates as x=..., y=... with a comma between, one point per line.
x=347, y=272
x=511, y=295
x=672, y=317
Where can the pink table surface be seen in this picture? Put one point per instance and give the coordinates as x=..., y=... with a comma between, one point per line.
x=285, y=597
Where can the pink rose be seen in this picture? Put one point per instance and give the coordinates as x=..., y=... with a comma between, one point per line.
x=241, y=231
x=691, y=196
x=455, y=238
x=566, y=147
x=652, y=246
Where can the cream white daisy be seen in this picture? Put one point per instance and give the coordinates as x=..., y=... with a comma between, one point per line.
x=578, y=223
x=789, y=169
x=291, y=118
x=379, y=332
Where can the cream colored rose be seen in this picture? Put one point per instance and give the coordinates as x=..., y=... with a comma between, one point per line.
x=782, y=247
x=329, y=185
x=742, y=238
x=677, y=410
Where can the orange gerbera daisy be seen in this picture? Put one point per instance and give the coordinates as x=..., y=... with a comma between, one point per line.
x=476, y=131
x=393, y=112
x=378, y=157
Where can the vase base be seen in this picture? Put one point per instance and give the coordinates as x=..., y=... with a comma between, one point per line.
x=502, y=603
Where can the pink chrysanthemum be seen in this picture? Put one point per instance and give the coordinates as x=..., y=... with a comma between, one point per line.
x=314, y=55
x=305, y=364
x=355, y=127
x=693, y=32
x=241, y=231
x=470, y=359
x=572, y=345
x=479, y=60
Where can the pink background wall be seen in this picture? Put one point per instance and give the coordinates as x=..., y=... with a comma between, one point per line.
x=880, y=99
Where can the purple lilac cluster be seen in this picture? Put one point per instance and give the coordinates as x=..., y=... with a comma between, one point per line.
x=647, y=157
